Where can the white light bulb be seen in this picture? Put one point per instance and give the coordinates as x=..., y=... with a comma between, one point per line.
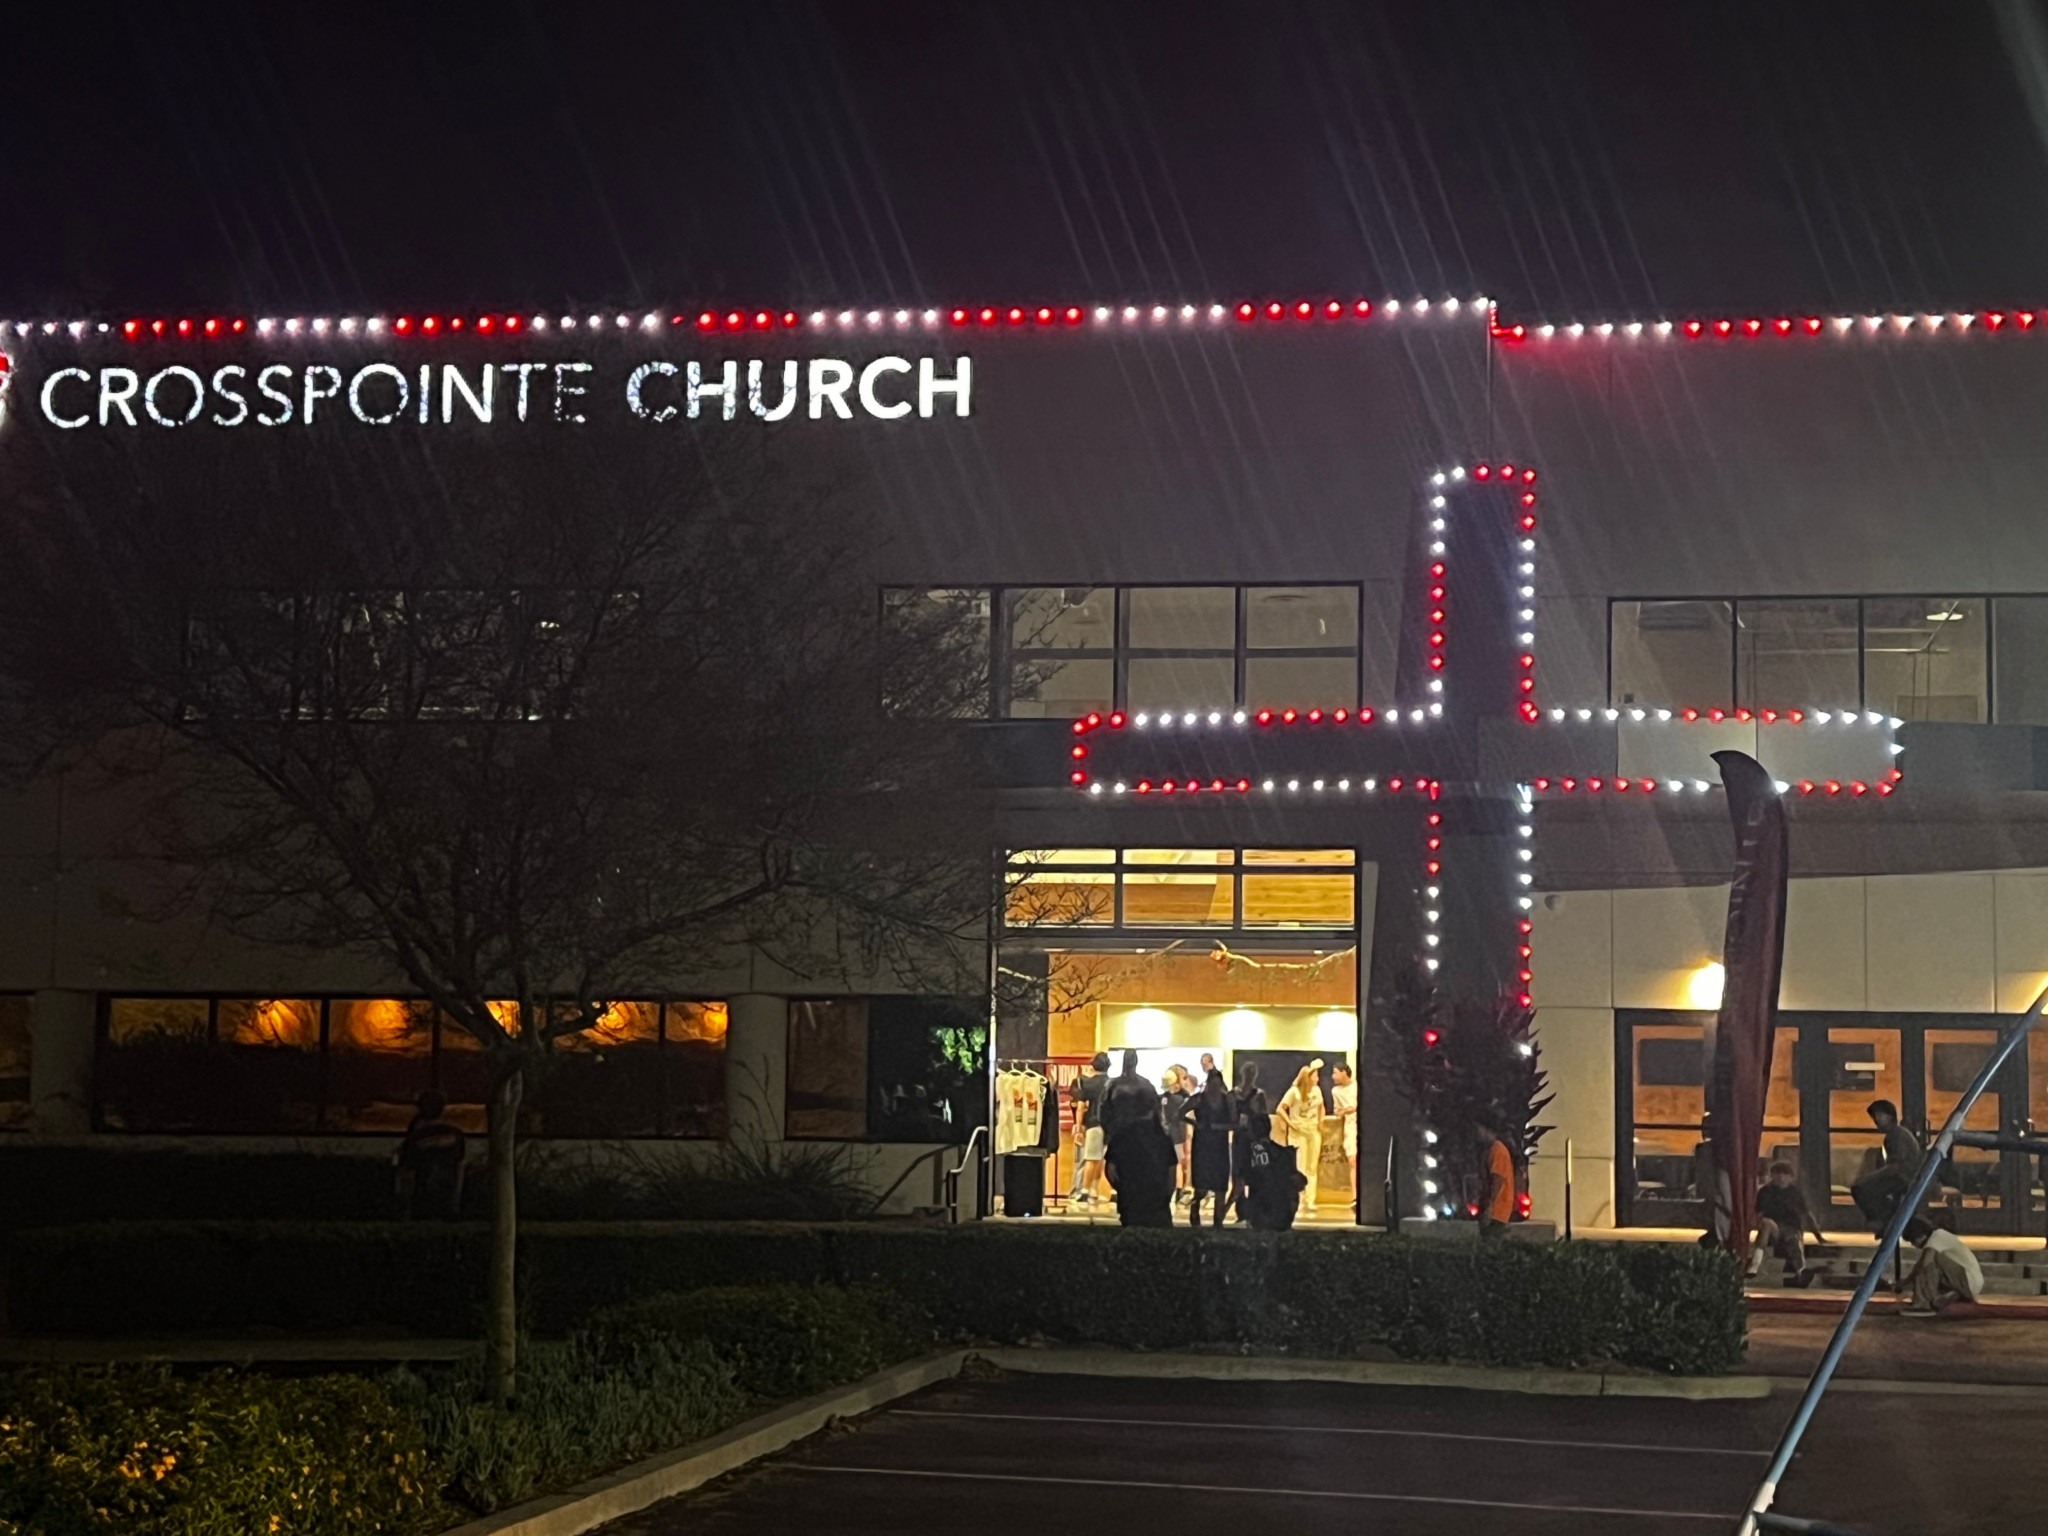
x=1238, y=718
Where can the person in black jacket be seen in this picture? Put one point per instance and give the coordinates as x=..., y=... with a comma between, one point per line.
x=1252, y=1124
x=1140, y=1160
x=1214, y=1114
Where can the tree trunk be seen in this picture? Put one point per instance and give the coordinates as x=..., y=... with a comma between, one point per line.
x=501, y=1318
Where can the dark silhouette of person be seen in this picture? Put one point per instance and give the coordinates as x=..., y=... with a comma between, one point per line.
x=429, y=1161
x=1253, y=1125
x=1140, y=1160
x=1214, y=1115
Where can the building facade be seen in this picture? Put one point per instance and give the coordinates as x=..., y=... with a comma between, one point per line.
x=1331, y=638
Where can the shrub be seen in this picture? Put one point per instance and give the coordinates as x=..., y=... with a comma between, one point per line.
x=781, y=1340
x=1319, y=1293
x=576, y=1415
x=136, y=1449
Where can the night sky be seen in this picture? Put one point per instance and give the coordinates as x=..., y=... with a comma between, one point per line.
x=1576, y=160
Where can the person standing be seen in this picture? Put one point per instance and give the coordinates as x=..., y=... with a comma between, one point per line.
x=429, y=1161
x=1877, y=1194
x=1251, y=1125
x=1301, y=1111
x=1497, y=1202
x=1139, y=1159
x=1344, y=1104
x=1180, y=1092
x=1947, y=1272
x=1086, y=1097
x=1214, y=1114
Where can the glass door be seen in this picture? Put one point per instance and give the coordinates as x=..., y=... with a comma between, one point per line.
x=1977, y=1186
x=1850, y=1067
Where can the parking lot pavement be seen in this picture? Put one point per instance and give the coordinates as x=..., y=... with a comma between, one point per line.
x=1026, y=1455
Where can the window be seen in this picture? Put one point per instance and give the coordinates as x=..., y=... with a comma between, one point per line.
x=1924, y=657
x=358, y=1064
x=1061, y=642
x=1063, y=651
x=1168, y=888
x=935, y=652
x=1796, y=651
x=1676, y=654
x=17, y=1023
x=886, y=1068
x=2019, y=648
x=1914, y=658
x=1301, y=646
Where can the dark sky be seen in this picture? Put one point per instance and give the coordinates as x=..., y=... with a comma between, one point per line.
x=1572, y=159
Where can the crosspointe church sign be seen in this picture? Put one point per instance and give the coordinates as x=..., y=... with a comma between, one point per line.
x=383, y=393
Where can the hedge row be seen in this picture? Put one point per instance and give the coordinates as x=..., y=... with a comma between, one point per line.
x=138, y=1449
x=142, y=1450
x=1308, y=1293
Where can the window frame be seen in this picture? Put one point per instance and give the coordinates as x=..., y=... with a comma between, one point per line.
x=1081, y=935
x=1120, y=652
x=323, y=1054
x=1733, y=698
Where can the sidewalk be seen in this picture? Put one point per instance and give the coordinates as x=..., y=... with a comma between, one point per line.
x=1981, y=1350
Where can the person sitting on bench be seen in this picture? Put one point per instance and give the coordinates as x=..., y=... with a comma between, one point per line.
x=1783, y=1218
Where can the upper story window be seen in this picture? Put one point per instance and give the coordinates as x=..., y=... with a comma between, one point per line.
x=1062, y=651
x=1065, y=892
x=1918, y=658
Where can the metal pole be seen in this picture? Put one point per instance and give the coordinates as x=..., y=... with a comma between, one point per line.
x=1391, y=1199
x=1930, y=1165
x=1567, y=1189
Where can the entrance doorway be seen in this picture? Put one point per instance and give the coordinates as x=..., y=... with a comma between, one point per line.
x=1236, y=958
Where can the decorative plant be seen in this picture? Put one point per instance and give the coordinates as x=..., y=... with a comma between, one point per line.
x=1460, y=1065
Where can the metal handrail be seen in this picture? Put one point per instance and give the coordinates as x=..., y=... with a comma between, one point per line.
x=1781, y=1459
x=953, y=1174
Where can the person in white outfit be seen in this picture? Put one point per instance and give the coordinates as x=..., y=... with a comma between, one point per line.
x=1301, y=1111
x=1344, y=1104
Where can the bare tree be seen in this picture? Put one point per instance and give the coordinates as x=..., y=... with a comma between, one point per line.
x=536, y=731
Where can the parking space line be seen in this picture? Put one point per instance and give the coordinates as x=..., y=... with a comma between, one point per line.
x=1352, y=1495
x=1330, y=1429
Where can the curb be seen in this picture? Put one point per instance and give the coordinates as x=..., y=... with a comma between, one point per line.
x=2034, y=1392
x=1375, y=1373
x=633, y=1488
